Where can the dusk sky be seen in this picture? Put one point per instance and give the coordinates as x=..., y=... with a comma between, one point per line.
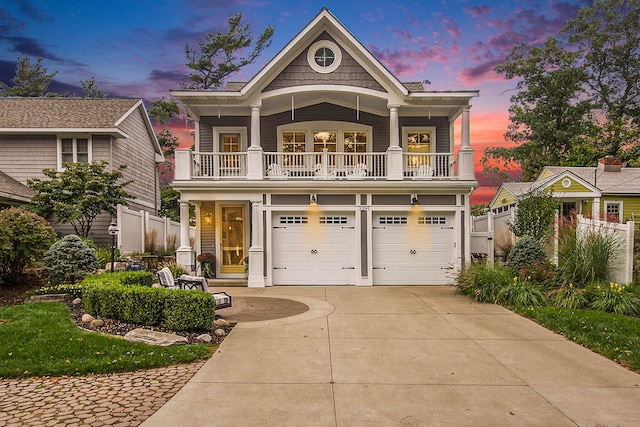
x=135, y=48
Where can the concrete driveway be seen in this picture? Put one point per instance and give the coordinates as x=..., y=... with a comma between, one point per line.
x=395, y=356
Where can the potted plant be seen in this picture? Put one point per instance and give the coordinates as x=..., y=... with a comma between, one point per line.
x=207, y=264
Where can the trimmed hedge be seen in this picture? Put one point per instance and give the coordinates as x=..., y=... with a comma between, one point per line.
x=178, y=310
x=135, y=278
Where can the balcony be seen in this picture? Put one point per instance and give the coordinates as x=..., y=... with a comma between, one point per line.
x=315, y=166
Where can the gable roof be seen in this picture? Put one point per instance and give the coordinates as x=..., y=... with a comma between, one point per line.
x=199, y=102
x=626, y=181
x=12, y=190
x=71, y=115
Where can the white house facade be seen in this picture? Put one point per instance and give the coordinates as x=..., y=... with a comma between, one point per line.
x=325, y=169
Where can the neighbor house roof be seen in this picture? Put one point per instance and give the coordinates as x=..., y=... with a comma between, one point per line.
x=624, y=181
x=67, y=113
x=12, y=190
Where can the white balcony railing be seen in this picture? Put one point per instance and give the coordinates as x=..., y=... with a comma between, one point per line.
x=428, y=165
x=325, y=165
x=220, y=165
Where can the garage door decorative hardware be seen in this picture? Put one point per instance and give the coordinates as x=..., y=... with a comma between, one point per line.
x=413, y=252
x=314, y=251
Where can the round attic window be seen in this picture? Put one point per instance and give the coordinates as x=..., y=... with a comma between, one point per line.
x=566, y=183
x=324, y=56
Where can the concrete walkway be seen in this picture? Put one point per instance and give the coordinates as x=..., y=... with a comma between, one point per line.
x=387, y=356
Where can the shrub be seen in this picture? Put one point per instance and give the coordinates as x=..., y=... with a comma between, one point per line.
x=521, y=293
x=568, y=296
x=176, y=269
x=527, y=252
x=176, y=309
x=184, y=310
x=207, y=264
x=24, y=239
x=483, y=282
x=69, y=260
x=103, y=254
x=137, y=278
x=614, y=299
x=586, y=257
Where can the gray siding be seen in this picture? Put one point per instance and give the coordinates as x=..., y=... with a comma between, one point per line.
x=299, y=73
x=206, y=129
x=324, y=111
x=138, y=153
x=101, y=148
x=24, y=156
x=208, y=231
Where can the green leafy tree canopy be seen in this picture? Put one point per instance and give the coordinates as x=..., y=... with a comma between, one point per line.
x=79, y=193
x=31, y=80
x=24, y=239
x=535, y=213
x=215, y=57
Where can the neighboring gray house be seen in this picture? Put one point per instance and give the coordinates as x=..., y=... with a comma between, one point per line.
x=325, y=169
x=42, y=133
x=12, y=193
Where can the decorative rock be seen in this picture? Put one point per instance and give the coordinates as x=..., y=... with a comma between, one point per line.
x=97, y=323
x=220, y=322
x=76, y=301
x=148, y=336
x=48, y=298
x=87, y=318
x=220, y=332
x=204, y=338
x=117, y=266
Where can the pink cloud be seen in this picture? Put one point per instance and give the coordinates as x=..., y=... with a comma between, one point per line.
x=478, y=11
x=483, y=72
x=405, y=62
x=452, y=28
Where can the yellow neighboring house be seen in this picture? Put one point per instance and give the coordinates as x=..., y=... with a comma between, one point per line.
x=608, y=191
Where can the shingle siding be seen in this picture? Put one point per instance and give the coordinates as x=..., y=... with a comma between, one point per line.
x=299, y=73
x=24, y=156
x=138, y=153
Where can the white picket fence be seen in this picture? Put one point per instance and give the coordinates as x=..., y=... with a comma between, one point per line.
x=133, y=226
x=485, y=228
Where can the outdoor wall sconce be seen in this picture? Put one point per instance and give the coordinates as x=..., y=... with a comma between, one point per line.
x=313, y=200
x=414, y=201
x=208, y=218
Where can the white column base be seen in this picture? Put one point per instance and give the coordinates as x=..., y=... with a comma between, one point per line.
x=465, y=164
x=394, y=164
x=255, y=278
x=254, y=163
x=186, y=257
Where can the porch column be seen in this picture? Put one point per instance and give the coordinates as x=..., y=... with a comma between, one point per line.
x=255, y=277
x=394, y=152
x=184, y=254
x=254, y=152
x=465, y=154
x=595, y=208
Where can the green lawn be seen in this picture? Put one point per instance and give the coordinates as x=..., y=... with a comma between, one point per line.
x=40, y=339
x=613, y=335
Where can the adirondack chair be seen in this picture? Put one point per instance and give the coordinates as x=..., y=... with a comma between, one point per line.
x=223, y=300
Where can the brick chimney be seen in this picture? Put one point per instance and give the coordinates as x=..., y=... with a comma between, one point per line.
x=609, y=164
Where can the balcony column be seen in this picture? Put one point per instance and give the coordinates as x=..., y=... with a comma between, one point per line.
x=184, y=254
x=254, y=152
x=394, y=152
x=255, y=278
x=465, y=154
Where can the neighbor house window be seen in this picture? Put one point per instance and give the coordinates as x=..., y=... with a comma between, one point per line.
x=74, y=150
x=613, y=211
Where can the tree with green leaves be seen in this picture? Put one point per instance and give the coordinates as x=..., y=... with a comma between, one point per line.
x=31, y=80
x=215, y=57
x=24, y=238
x=579, y=100
x=535, y=213
x=608, y=39
x=79, y=193
x=91, y=90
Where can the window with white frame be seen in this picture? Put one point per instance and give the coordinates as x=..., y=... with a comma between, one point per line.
x=419, y=143
x=613, y=211
x=74, y=150
x=317, y=135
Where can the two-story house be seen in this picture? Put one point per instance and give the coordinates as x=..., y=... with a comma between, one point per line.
x=43, y=133
x=325, y=169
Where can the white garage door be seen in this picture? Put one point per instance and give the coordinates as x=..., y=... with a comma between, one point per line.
x=314, y=249
x=413, y=249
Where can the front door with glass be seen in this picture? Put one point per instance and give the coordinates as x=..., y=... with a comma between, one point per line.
x=232, y=239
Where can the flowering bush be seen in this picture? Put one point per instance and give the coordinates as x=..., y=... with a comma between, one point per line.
x=207, y=264
x=614, y=298
x=568, y=296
